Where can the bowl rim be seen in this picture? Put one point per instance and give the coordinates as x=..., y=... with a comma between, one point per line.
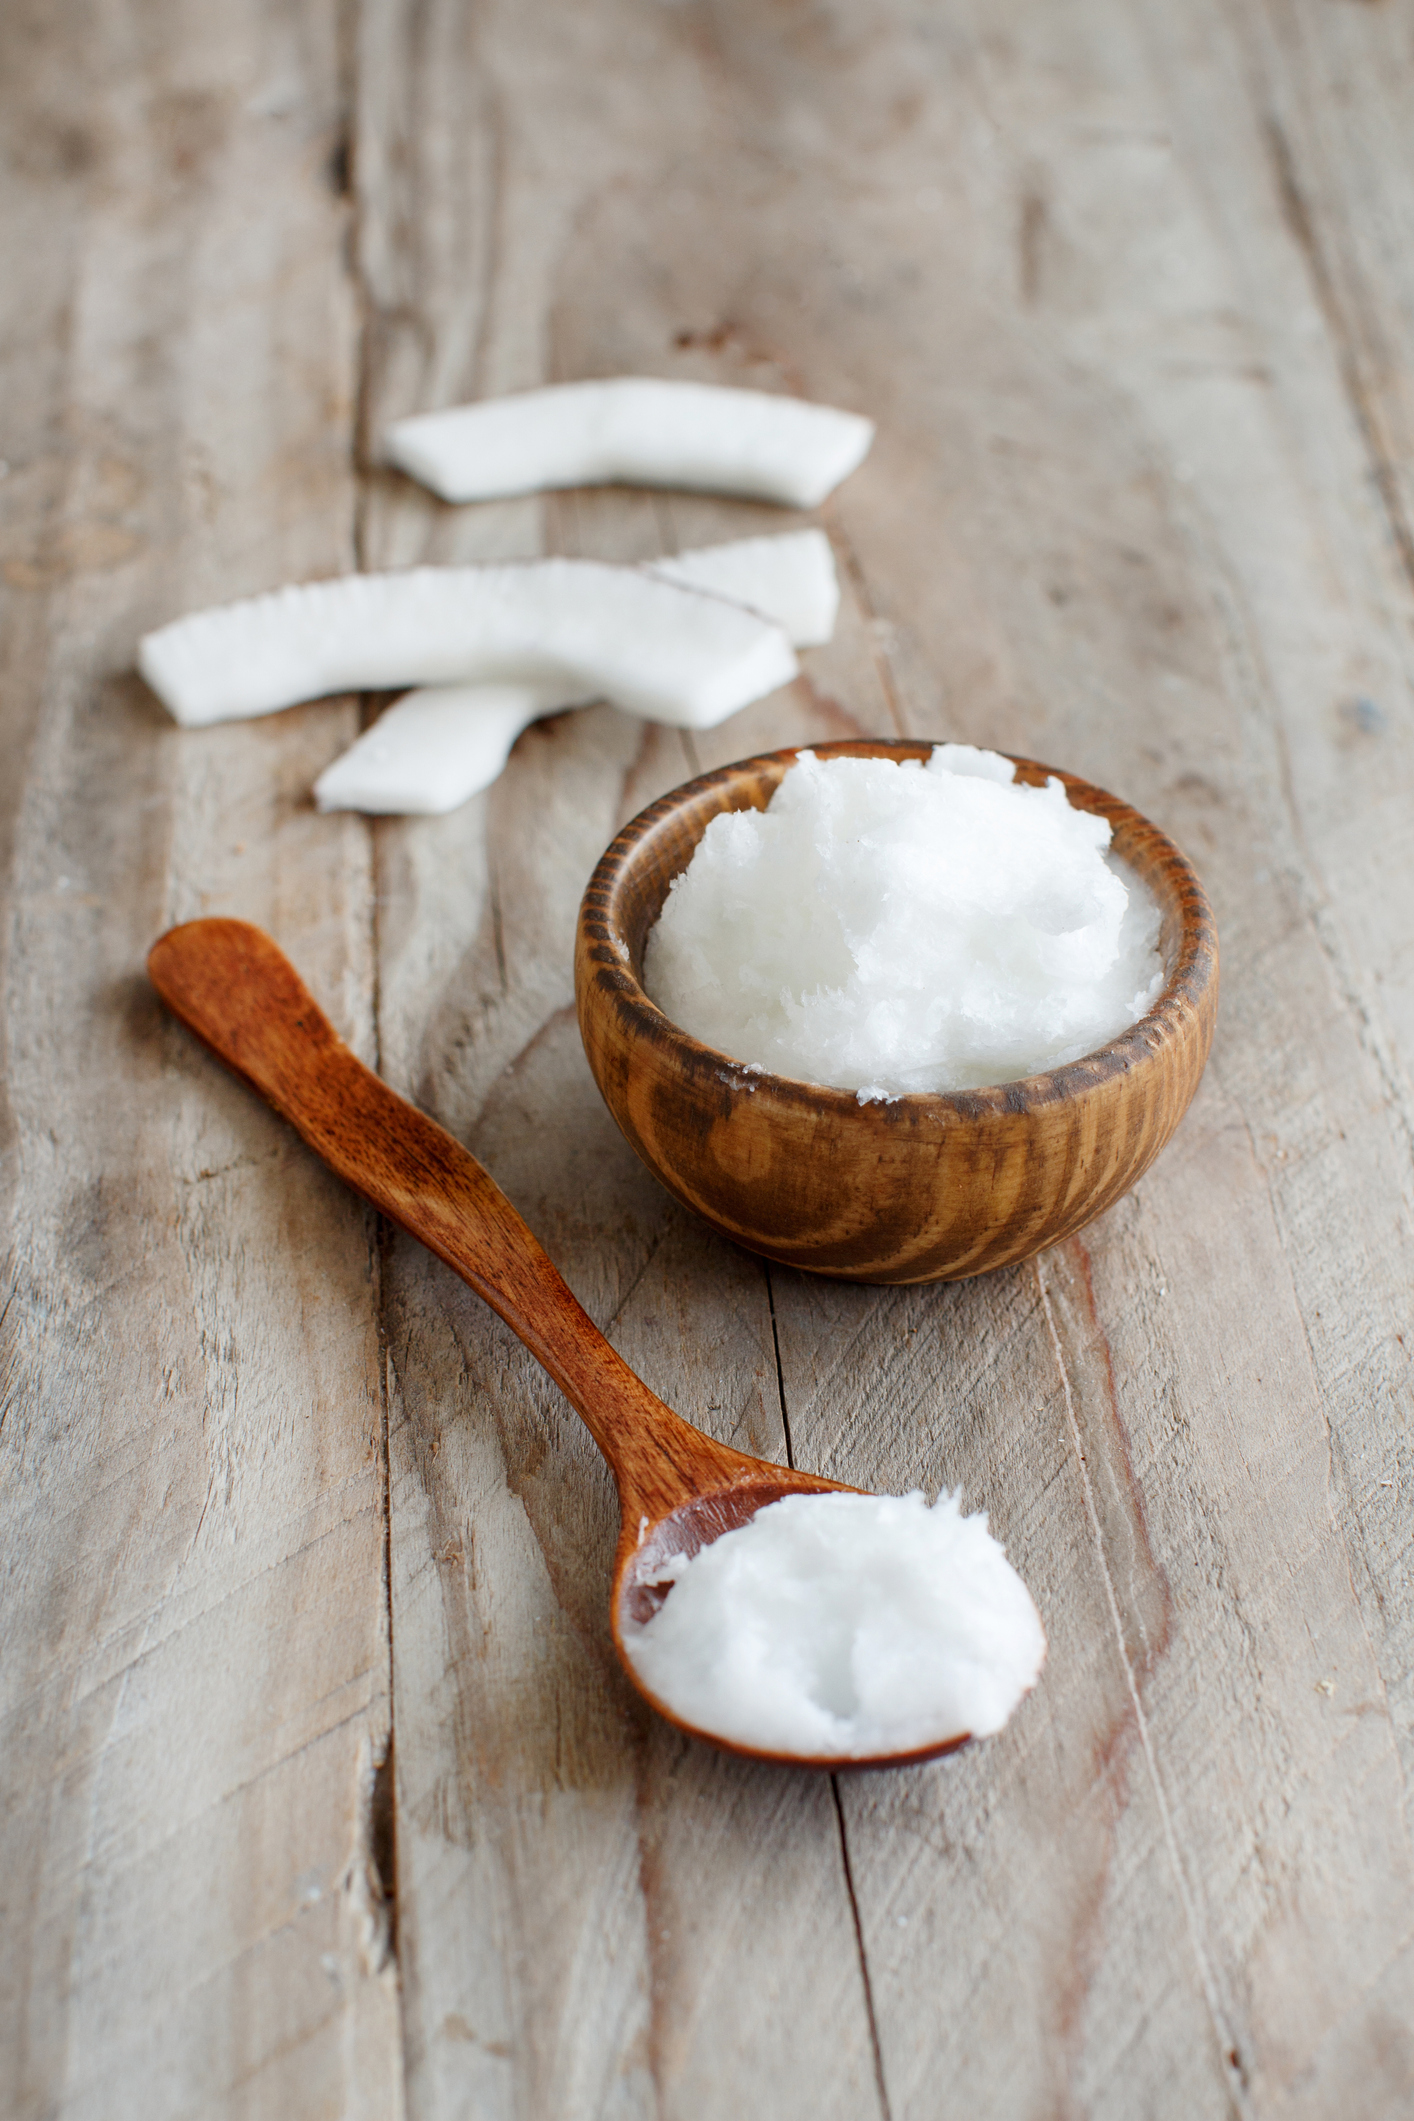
x=1194, y=970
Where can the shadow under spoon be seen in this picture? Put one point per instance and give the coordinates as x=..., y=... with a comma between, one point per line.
x=678, y=1489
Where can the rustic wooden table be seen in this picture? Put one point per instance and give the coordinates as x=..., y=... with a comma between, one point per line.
x=323, y=1794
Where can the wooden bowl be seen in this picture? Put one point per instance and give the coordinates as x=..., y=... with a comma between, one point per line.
x=922, y=1188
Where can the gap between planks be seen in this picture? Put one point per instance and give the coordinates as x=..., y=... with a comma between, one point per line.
x=1227, y=2044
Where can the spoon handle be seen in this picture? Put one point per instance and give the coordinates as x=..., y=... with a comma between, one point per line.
x=232, y=986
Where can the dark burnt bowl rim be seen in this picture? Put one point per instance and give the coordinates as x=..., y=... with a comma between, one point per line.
x=1194, y=973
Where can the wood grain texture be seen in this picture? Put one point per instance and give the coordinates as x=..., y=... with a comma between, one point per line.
x=195, y=1675
x=603, y=1925
x=1127, y=287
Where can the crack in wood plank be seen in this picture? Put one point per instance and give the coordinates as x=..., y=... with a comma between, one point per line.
x=870, y=2012
x=1223, y=2031
x=1299, y=220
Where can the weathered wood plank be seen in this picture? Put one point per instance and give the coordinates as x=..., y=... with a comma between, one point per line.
x=598, y=1917
x=195, y=1670
x=1333, y=1123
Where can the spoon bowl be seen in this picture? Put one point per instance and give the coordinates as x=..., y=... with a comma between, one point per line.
x=678, y=1489
x=913, y=1189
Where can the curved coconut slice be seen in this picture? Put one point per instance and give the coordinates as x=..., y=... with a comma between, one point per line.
x=434, y=748
x=636, y=430
x=789, y=578
x=437, y=747
x=662, y=651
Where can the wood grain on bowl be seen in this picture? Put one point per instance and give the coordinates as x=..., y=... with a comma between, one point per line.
x=919, y=1188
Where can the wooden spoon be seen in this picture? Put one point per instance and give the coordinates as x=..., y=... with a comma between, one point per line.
x=678, y=1489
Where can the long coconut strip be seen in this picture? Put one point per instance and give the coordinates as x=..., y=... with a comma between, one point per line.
x=635, y=430
x=437, y=747
x=621, y=633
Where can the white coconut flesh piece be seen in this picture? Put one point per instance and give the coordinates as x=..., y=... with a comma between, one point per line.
x=620, y=633
x=434, y=748
x=634, y=430
x=437, y=747
x=789, y=577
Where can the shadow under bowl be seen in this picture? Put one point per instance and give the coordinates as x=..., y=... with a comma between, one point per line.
x=930, y=1187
